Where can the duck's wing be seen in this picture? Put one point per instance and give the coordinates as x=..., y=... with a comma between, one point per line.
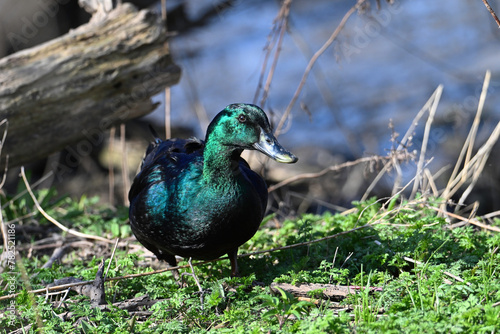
x=162, y=165
x=158, y=148
x=165, y=158
x=257, y=181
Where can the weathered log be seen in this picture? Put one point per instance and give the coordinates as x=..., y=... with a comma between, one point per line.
x=75, y=87
x=329, y=291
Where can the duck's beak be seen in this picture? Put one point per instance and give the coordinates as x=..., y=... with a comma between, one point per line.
x=269, y=145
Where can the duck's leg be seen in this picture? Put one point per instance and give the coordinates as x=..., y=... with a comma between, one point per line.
x=233, y=258
x=161, y=256
x=172, y=262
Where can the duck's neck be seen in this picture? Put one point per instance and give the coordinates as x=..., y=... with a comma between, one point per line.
x=220, y=163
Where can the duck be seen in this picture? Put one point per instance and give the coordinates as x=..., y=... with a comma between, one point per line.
x=199, y=199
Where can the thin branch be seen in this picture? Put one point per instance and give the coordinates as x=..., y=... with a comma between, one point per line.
x=394, y=159
x=475, y=125
x=482, y=154
x=3, y=229
x=284, y=13
x=111, y=258
x=409, y=259
x=125, y=170
x=326, y=170
x=385, y=169
x=164, y=11
x=4, y=177
x=388, y=200
x=467, y=220
x=111, y=168
x=457, y=179
x=423, y=149
x=411, y=130
x=271, y=40
x=311, y=63
x=491, y=215
x=167, y=111
x=22, y=193
x=488, y=7
x=473, y=168
x=55, y=222
x=56, y=256
x=431, y=184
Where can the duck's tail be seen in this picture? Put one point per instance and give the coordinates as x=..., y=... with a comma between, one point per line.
x=156, y=138
x=151, y=147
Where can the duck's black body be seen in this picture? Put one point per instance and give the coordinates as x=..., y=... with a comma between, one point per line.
x=169, y=215
x=201, y=199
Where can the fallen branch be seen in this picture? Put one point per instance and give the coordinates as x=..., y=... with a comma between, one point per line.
x=131, y=305
x=329, y=291
x=56, y=256
x=73, y=88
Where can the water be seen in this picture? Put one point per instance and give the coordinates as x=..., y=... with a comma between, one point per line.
x=384, y=65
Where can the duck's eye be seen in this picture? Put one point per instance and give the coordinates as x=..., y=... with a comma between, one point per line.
x=242, y=118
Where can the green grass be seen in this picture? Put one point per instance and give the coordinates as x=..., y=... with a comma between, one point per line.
x=394, y=294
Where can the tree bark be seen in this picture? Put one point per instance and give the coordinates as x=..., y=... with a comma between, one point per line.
x=75, y=87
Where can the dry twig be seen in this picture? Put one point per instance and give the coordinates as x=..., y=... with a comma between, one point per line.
x=311, y=63
x=125, y=170
x=492, y=12
x=55, y=222
x=3, y=227
x=334, y=168
x=111, y=258
x=428, y=124
x=167, y=111
x=56, y=256
x=280, y=24
x=472, y=167
x=467, y=220
x=455, y=277
x=111, y=168
x=403, y=145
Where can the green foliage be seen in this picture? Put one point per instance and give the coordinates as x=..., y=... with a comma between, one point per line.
x=411, y=274
x=284, y=306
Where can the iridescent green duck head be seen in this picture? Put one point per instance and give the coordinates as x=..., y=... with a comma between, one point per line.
x=245, y=126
